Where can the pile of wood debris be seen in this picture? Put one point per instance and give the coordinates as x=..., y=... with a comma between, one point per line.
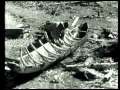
x=90, y=69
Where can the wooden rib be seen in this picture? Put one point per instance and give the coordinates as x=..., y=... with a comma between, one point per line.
x=68, y=46
x=51, y=44
x=26, y=56
x=54, y=48
x=41, y=42
x=55, y=55
x=37, y=51
x=69, y=42
x=60, y=50
x=73, y=37
x=22, y=63
x=33, y=61
x=65, y=43
x=72, y=41
x=22, y=60
x=46, y=49
x=13, y=63
x=32, y=57
x=63, y=49
x=47, y=37
x=43, y=46
x=68, y=36
x=27, y=63
x=48, y=58
x=43, y=55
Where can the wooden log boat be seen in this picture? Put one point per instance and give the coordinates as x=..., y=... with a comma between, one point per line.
x=40, y=58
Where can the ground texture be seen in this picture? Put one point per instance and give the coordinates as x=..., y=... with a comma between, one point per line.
x=36, y=14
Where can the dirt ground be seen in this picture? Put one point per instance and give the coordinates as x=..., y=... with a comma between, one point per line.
x=36, y=14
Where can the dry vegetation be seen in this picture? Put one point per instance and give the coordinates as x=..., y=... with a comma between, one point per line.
x=36, y=14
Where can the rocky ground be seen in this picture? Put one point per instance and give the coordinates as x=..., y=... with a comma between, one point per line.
x=36, y=14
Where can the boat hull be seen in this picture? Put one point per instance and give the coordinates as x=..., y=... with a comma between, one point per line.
x=47, y=54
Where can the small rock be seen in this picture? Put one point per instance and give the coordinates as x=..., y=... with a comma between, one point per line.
x=114, y=33
x=95, y=36
x=7, y=68
x=111, y=36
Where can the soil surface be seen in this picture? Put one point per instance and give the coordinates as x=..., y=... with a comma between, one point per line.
x=36, y=14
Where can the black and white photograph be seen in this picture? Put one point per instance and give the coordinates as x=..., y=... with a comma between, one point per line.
x=61, y=44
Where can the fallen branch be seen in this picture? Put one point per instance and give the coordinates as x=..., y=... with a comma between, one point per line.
x=92, y=72
x=87, y=72
x=103, y=40
x=95, y=65
x=105, y=65
x=72, y=2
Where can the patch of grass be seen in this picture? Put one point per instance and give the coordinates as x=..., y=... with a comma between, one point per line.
x=12, y=47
